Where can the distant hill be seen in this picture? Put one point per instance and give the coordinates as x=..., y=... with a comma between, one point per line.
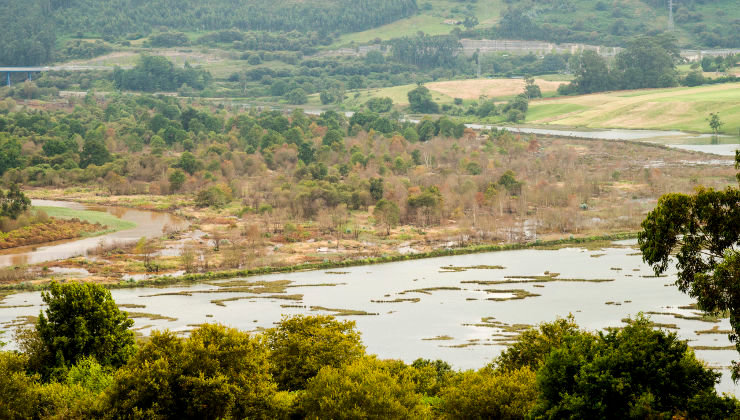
x=707, y=23
x=697, y=23
x=121, y=17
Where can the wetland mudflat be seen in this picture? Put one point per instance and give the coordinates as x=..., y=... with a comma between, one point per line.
x=404, y=309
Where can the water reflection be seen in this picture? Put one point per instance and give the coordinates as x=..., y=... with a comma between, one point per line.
x=149, y=224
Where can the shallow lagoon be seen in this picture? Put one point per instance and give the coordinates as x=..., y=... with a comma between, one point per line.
x=464, y=316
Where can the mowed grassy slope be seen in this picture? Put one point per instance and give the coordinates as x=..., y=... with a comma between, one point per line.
x=112, y=223
x=685, y=108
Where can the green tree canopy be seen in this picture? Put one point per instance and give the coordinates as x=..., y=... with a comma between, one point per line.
x=333, y=137
x=486, y=394
x=297, y=96
x=535, y=344
x=216, y=373
x=420, y=101
x=703, y=232
x=188, y=163
x=94, y=152
x=14, y=202
x=636, y=372
x=82, y=320
x=301, y=345
x=177, y=178
x=365, y=388
x=10, y=153
x=591, y=73
x=387, y=214
x=646, y=63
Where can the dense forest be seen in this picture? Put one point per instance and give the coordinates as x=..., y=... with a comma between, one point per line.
x=28, y=36
x=294, y=167
x=31, y=28
x=121, y=17
x=709, y=23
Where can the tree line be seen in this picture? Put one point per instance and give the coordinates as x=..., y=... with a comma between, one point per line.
x=28, y=37
x=646, y=62
x=156, y=73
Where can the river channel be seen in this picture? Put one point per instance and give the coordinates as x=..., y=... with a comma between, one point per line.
x=149, y=224
x=462, y=309
x=719, y=145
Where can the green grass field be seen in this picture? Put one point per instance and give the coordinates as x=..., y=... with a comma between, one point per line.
x=684, y=108
x=112, y=223
x=538, y=112
x=429, y=20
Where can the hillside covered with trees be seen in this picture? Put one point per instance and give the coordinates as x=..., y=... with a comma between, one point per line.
x=122, y=17
x=698, y=22
x=30, y=28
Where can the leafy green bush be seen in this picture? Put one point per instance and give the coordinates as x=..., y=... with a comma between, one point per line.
x=486, y=394
x=365, y=388
x=301, y=345
x=212, y=197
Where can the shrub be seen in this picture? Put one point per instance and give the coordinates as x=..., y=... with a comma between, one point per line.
x=212, y=197
x=217, y=372
x=301, y=345
x=489, y=395
x=365, y=388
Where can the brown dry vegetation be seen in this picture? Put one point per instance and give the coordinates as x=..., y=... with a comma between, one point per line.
x=48, y=231
x=570, y=188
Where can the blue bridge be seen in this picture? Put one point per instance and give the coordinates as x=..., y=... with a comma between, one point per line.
x=28, y=70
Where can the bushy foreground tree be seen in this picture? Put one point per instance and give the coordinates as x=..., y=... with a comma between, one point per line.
x=636, y=372
x=366, y=388
x=702, y=231
x=81, y=320
x=487, y=394
x=301, y=345
x=216, y=373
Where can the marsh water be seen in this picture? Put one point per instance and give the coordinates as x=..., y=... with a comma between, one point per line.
x=463, y=309
x=723, y=145
x=719, y=145
x=149, y=224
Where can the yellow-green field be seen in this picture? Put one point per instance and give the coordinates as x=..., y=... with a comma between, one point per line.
x=445, y=92
x=399, y=94
x=675, y=108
